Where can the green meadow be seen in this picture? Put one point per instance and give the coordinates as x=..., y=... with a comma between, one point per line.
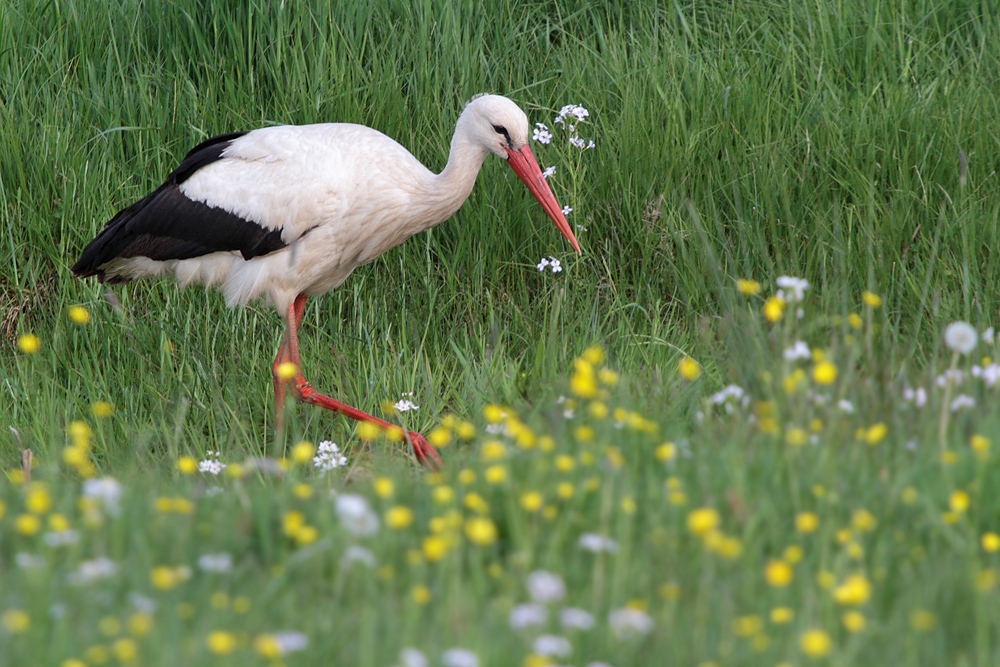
x=742, y=428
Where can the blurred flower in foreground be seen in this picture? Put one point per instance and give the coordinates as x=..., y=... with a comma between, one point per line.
x=688, y=368
x=748, y=287
x=545, y=587
x=961, y=337
x=459, y=657
x=28, y=343
x=626, y=623
x=355, y=514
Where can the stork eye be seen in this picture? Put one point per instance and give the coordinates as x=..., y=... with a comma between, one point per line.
x=500, y=129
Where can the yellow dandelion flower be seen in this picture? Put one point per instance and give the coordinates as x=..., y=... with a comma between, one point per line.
x=493, y=413
x=481, y=530
x=876, y=433
x=582, y=382
x=466, y=476
x=863, y=520
x=399, y=517
x=532, y=501
x=854, y=321
x=824, y=373
x=302, y=490
x=796, y=437
x=607, y=377
x=465, y=430
x=15, y=621
x=125, y=649
x=990, y=542
x=286, y=370
x=303, y=452
x=702, y=521
x=855, y=590
x=476, y=503
x=434, y=548
x=102, y=409
x=139, y=624
x=628, y=505
x=666, y=452
x=815, y=643
x=747, y=626
x=677, y=497
x=109, y=626
x=420, y=594
x=565, y=463
x=922, y=620
x=792, y=554
x=38, y=500
x=28, y=343
x=854, y=621
x=688, y=368
x=384, y=488
x=242, y=604
x=583, y=433
x=986, y=580
x=774, y=307
x=546, y=443
x=816, y=425
x=782, y=615
x=748, y=287
x=871, y=299
x=492, y=450
x=825, y=579
x=443, y=494
x=949, y=457
x=439, y=436
x=266, y=646
x=593, y=355
x=78, y=315
x=163, y=577
x=187, y=465
x=958, y=501
x=495, y=474
x=806, y=522
x=980, y=444
x=221, y=642
x=565, y=490
x=778, y=573
x=27, y=524
x=368, y=431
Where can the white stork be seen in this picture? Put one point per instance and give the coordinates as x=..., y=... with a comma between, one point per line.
x=289, y=212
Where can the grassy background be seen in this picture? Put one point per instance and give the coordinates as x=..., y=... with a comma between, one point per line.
x=734, y=139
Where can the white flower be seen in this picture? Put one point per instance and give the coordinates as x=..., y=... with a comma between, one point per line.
x=107, y=491
x=411, y=657
x=213, y=466
x=798, y=351
x=597, y=543
x=987, y=335
x=357, y=517
x=797, y=287
x=555, y=265
x=221, y=562
x=572, y=618
x=527, y=616
x=545, y=587
x=990, y=374
x=575, y=110
x=542, y=264
x=459, y=657
x=27, y=561
x=356, y=554
x=552, y=646
x=328, y=457
x=569, y=413
x=61, y=538
x=845, y=406
x=541, y=134
x=289, y=641
x=626, y=623
x=951, y=376
x=731, y=391
x=495, y=429
x=549, y=171
x=916, y=396
x=405, y=405
x=92, y=570
x=141, y=602
x=566, y=210
x=961, y=337
x=598, y=664
x=962, y=401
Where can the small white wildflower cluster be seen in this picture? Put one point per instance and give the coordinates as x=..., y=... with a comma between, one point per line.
x=728, y=396
x=550, y=263
x=627, y=623
x=792, y=289
x=541, y=133
x=797, y=351
x=571, y=116
x=597, y=543
x=211, y=465
x=405, y=403
x=219, y=563
x=107, y=491
x=91, y=570
x=459, y=657
x=328, y=457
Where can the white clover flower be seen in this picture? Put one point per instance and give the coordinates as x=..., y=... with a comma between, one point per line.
x=289, y=641
x=355, y=514
x=27, y=561
x=92, y=570
x=572, y=618
x=107, y=491
x=328, y=457
x=552, y=646
x=566, y=210
x=626, y=623
x=61, y=538
x=545, y=587
x=459, y=657
x=541, y=134
x=961, y=337
x=597, y=543
x=356, y=554
x=549, y=171
x=220, y=563
x=411, y=657
x=797, y=288
x=528, y=615
x=797, y=351
x=961, y=402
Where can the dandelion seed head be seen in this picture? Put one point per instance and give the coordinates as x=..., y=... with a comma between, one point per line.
x=961, y=337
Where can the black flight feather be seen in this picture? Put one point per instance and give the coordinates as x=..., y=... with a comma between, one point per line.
x=165, y=224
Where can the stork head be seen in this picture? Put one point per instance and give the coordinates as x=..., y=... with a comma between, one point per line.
x=499, y=125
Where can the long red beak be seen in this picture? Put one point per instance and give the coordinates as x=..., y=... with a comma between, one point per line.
x=524, y=165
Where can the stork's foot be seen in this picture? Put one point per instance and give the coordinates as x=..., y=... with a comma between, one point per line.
x=426, y=455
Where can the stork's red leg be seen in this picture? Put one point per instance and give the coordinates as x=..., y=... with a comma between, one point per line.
x=302, y=390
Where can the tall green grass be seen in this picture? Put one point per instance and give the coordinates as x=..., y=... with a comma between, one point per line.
x=734, y=140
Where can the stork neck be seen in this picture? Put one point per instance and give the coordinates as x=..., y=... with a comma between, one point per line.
x=449, y=189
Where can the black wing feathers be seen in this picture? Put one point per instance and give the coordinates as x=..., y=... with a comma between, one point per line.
x=165, y=224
